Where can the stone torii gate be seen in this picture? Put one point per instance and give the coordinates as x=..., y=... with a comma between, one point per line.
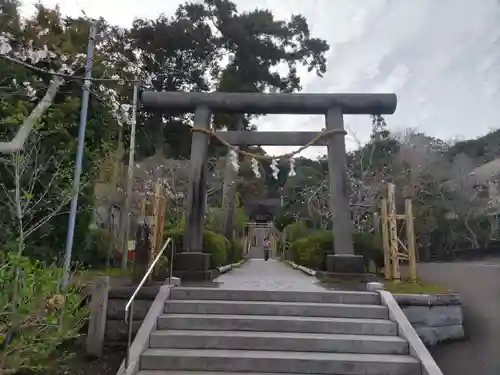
x=192, y=263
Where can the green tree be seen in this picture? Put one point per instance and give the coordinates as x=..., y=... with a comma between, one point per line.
x=186, y=52
x=56, y=132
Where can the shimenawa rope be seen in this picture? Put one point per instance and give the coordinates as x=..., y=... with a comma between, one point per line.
x=323, y=133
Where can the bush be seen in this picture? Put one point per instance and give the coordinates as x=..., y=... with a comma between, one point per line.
x=213, y=243
x=37, y=315
x=296, y=231
x=97, y=246
x=282, y=220
x=236, y=251
x=311, y=251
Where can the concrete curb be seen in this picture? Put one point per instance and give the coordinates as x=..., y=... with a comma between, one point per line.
x=406, y=330
x=141, y=340
x=443, y=299
x=303, y=269
x=228, y=267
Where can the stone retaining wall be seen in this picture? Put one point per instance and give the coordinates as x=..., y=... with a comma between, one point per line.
x=436, y=318
x=116, y=327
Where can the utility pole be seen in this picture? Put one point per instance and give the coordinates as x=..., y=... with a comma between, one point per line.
x=79, y=152
x=125, y=221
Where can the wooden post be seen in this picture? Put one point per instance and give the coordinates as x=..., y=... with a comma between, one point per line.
x=245, y=244
x=156, y=213
x=393, y=231
x=410, y=236
x=158, y=222
x=285, y=239
x=98, y=316
x=161, y=220
x=385, y=240
x=142, y=246
x=250, y=235
x=275, y=237
x=377, y=229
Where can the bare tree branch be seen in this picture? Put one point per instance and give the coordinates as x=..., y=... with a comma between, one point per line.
x=25, y=129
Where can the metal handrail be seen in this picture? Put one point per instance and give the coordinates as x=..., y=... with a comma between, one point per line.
x=129, y=307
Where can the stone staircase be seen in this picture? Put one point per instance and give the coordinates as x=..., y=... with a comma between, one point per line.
x=209, y=331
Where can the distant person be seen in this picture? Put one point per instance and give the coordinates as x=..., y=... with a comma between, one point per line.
x=266, y=248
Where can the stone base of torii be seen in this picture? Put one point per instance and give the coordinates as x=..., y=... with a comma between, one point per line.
x=193, y=263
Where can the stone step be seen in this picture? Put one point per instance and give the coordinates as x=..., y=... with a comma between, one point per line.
x=177, y=372
x=280, y=341
x=334, y=310
x=358, y=298
x=279, y=362
x=261, y=323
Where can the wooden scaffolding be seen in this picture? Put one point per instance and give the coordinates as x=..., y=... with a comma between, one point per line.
x=398, y=247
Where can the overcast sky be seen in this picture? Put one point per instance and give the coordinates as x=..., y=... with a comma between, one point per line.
x=441, y=57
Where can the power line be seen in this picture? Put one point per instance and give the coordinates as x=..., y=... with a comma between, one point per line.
x=63, y=75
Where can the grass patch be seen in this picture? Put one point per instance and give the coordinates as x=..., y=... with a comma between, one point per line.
x=338, y=280
x=403, y=287
x=406, y=287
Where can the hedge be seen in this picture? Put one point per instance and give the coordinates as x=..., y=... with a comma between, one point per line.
x=97, y=246
x=296, y=231
x=311, y=251
x=236, y=251
x=213, y=243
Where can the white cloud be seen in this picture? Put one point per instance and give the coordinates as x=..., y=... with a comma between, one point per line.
x=442, y=58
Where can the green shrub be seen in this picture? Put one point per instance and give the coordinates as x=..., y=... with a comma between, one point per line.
x=97, y=247
x=296, y=231
x=311, y=251
x=213, y=243
x=37, y=314
x=236, y=250
x=240, y=217
x=214, y=219
x=291, y=233
x=282, y=220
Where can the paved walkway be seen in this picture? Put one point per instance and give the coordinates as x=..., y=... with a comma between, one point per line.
x=256, y=252
x=478, y=283
x=257, y=274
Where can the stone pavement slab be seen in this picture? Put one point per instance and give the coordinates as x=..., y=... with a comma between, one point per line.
x=257, y=274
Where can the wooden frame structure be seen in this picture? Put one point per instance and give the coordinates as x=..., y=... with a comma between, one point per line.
x=395, y=248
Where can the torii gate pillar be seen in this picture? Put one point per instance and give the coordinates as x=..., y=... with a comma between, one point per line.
x=192, y=263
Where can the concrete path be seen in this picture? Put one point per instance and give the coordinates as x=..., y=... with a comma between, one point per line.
x=257, y=274
x=478, y=282
x=256, y=252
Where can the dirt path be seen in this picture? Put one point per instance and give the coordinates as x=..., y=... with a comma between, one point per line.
x=79, y=364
